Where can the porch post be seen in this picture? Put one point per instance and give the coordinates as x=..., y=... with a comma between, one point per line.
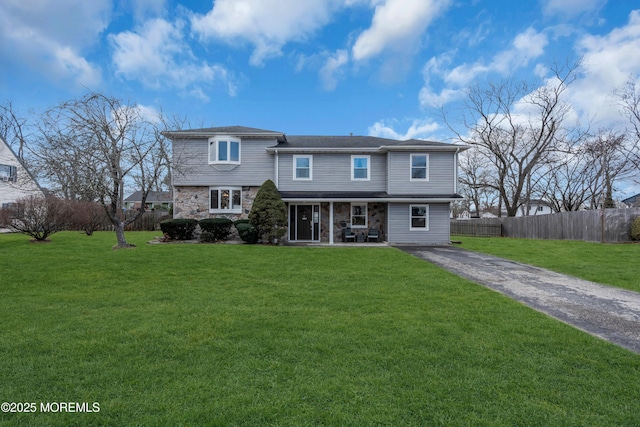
x=331, y=223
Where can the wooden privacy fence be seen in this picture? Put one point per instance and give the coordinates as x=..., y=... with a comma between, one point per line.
x=475, y=229
x=608, y=225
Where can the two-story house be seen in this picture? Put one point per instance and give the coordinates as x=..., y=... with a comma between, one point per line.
x=401, y=188
x=15, y=180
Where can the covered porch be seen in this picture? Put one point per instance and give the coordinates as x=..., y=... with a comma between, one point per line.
x=336, y=220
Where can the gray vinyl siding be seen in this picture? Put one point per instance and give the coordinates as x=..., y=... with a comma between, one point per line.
x=332, y=172
x=441, y=173
x=192, y=168
x=399, y=225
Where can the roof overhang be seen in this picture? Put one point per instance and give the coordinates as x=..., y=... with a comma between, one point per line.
x=173, y=135
x=355, y=197
x=373, y=150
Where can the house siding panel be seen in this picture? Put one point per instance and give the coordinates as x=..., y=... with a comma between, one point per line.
x=332, y=172
x=399, y=232
x=441, y=174
x=256, y=165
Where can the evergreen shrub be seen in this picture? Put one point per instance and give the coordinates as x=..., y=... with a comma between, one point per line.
x=247, y=232
x=635, y=229
x=269, y=213
x=179, y=229
x=215, y=229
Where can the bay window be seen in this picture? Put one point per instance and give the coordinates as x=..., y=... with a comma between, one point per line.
x=224, y=150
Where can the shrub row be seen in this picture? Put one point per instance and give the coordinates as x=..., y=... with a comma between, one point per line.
x=213, y=229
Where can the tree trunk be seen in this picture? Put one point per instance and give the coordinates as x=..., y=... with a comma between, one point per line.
x=118, y=226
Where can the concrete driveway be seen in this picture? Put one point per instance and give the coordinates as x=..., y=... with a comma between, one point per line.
x=609, y=313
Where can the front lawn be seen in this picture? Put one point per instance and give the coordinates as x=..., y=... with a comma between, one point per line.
x=611, y=264
x=252, y=335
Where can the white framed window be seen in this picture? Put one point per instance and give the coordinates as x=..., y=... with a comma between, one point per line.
x=225, y=199
x=360, y=168
x=224, y=150
x=303, y=168
x=358, y=215
x=419, y=167
x=419, y=217
x=8, y=173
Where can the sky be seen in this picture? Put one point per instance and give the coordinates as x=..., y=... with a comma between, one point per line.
x=313, y=67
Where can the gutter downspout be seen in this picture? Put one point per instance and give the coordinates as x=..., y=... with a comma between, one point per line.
x=276, y=174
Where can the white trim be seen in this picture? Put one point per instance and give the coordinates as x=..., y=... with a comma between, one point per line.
x=426, y=222
x=426, y=178
x=366, y=215
x=356, y=156
x=215, y=142
x=234, y=208
x=295, y=167
x=314, y=224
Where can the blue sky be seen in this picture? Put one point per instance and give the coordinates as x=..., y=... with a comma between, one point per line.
x=370, y=67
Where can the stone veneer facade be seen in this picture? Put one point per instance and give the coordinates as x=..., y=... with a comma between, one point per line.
x=376, y=218
x=193, y=202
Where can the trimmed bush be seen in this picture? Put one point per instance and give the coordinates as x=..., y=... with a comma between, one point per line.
x=215, y=229
x=247, y=232
x=179, y=229
x=635, y=229
x=269, y=213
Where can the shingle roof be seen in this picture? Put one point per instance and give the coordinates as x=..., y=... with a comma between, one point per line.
x=309, y=141
x=232, y=130
x=153, y=196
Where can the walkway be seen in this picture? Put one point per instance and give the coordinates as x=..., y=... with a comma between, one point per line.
x=604, y=311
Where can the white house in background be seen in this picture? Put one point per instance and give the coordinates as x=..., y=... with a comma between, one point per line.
x=536, y=207
x=15, y=180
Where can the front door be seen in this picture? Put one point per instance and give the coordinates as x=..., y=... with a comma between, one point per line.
x=304, y=222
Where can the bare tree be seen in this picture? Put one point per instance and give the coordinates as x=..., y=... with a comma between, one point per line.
x=14, y=129
x=36, y=216
x=476, y=178
x=105, y=146
x=629, y=100
x=518, y=128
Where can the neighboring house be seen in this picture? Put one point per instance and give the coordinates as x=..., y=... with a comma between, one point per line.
x=401, y=188
x=632, y=202
x=15, y=180
x=160, y=200
x=536, y=207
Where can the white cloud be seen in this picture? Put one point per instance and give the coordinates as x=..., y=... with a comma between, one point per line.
x=158, y=56
x=332, y=69
x=570, y=8
x=608, y=61
x=397, y=25
x=524, y=48
x=49, y=36
x=418, y=129
x=266, y=24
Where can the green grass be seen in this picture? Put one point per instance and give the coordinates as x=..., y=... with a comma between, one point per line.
x=252, y=335
x=611, y=264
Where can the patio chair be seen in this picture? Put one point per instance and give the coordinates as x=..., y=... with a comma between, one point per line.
x=347, y=234
x=373, y=235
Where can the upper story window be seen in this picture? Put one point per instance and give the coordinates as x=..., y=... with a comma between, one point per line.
x=8, y=173
x=360, y=168
x=419, y=217
x=226, y=199
x=419, y=167
x=303, y=168
x=224, y=150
